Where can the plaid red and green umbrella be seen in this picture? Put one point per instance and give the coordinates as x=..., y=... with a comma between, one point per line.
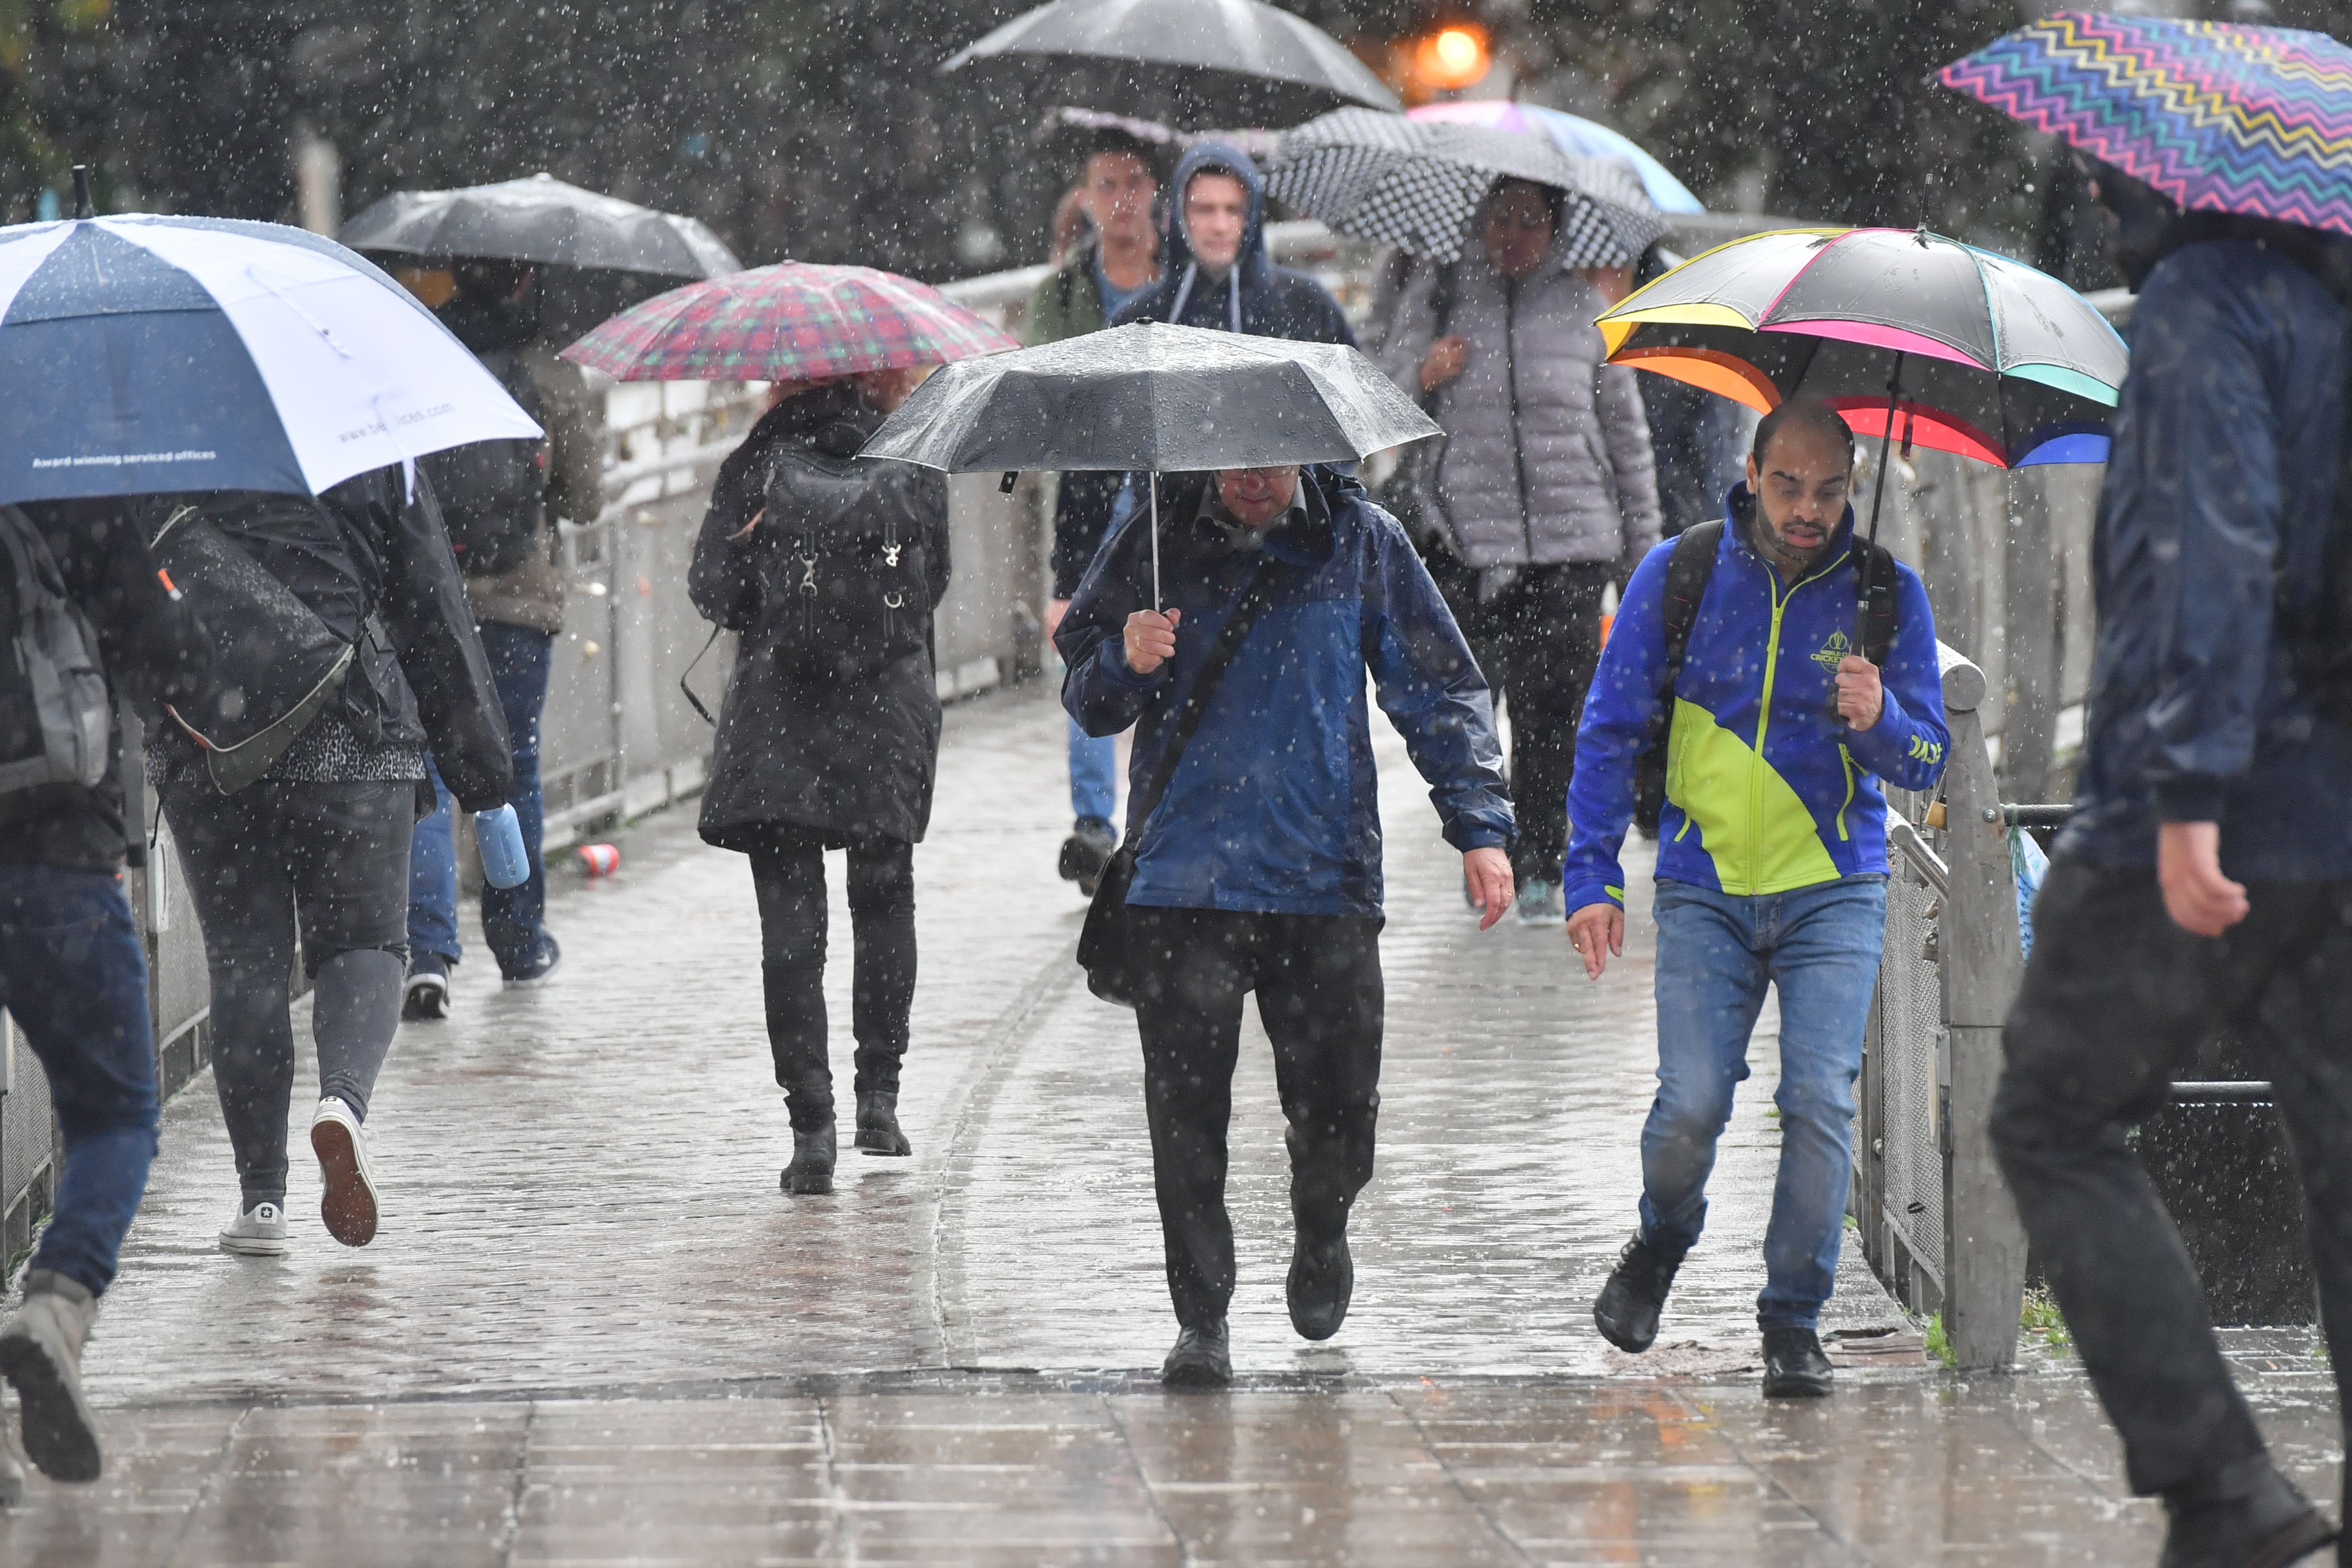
x=794, y=321
x=2217, y=116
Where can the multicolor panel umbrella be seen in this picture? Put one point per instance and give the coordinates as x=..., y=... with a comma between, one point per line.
x=2219, y=116
x=792, y=321
x=1572, y=133
x=1420, y=185
x=1993, y=360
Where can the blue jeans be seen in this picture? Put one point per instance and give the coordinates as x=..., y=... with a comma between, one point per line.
x=1094, y=776
x=512, y=917
x=1717, y=953
x=74, y=977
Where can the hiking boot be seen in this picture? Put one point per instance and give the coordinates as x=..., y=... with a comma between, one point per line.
x=2245, y=1515
x=1627, y=1313
x=347, y=1203
x=1539, y=903
x=877, y=1125
x=256, y=1232
x=1322, y=1278
x=40, y=1352
x=1086, y=852
x=1794, y=1366
x=536, y=969
x=426, y=996
x=1201, y=1358
x=810, y=1172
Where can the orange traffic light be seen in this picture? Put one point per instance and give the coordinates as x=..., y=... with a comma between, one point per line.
x=1451, y=59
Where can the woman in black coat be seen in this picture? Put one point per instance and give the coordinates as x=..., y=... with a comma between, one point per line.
x=829, y=569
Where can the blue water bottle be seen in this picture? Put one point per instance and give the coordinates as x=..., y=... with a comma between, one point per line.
x=499, y=838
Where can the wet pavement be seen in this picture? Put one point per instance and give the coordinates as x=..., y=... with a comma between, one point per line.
x=593, y=1330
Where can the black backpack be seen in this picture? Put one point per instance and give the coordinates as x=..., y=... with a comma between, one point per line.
x=493, y=494
x=846, y=585
x=55, y=713
x=1688, y=570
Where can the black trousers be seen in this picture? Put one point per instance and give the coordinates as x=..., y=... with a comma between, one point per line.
x=2116, y=1000
x=1317, y=979
x=1538, y=643
x=332, y=858
x=788, y=872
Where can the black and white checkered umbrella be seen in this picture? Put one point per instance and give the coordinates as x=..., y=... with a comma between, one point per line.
x=1420, y=185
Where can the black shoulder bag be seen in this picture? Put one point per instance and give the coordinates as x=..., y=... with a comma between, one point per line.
x=1106, y=946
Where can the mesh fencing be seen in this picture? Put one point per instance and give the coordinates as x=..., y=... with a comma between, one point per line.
x=24, y=1128
x=1910, y=1008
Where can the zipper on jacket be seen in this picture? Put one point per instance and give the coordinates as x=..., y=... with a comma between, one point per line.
x=1511, y=374
x=1764, y=713
x=1845, y=760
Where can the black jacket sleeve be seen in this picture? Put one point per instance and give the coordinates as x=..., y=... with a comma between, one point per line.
x=723, y=579
x=433, y=632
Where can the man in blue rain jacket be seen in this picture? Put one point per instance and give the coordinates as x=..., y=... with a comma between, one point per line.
x=1771, y=860
x=1260, y=868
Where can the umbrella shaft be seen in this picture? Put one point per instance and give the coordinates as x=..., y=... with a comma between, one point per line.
x=1154, y=482
x=1877, y=499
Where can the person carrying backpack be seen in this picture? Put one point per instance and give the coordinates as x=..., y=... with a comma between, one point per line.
x=501, y=500
x=317, y=836
x=85, y=620
x=828, y=570
x=1736, y=641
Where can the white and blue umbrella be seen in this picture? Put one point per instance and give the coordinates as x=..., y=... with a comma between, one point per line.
x=141, y=354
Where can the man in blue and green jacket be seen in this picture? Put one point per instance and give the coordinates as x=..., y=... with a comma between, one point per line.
x=1771, y=858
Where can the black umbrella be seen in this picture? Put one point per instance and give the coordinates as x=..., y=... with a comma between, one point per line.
x=611, y=253
x=1238, y=55
x=1149, y=396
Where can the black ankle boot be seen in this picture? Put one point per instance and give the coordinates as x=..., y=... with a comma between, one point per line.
x=1627, y=1313
x=1322, y=1279
x=810, y=1172
x=2246, y=1516
x=1795, y=1366
x=878, y=1123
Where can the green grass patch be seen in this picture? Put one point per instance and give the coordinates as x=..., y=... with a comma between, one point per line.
x=1940, y=1345
x=2040, y=1315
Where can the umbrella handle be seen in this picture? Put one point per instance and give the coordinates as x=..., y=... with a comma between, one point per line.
x=1877, y=499
x=1155, y=540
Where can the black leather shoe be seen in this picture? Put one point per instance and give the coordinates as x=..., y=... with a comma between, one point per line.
x=1322, y=1279
x=1201, y=1359
x=1627, y=1313
x=877, y=1125
x=1084, y=854
x=810, y=1172
x=2247, y=1516
x=1794, y=1366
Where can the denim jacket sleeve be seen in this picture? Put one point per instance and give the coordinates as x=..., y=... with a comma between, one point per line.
x=1431, y=690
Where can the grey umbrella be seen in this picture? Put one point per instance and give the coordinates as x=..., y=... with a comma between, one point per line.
x=1149, y=396
x=1281, y=67
x=1419, y=183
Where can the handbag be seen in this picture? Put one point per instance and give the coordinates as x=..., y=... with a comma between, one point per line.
x=1105, y=947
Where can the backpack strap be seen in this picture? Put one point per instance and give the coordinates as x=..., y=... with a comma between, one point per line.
x=1205, y=687
x=1687, y=572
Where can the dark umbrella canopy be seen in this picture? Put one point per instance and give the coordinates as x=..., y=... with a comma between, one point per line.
x=1149, y=396
x=541, y=220
x=1244, y=56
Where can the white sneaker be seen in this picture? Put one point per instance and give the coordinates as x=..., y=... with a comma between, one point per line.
x=258, y=1232
x=1539, y=903
x=347, y=1204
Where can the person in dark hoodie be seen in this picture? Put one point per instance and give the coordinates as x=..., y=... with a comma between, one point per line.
x=72, y=972
x=829, y=735
x=1215, y=271
x=2204, y=885
x=320, y=843
x=518, y=606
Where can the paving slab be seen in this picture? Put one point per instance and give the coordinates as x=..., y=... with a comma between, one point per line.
x=592, y=1331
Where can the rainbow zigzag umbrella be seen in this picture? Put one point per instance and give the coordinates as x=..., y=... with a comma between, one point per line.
x=2221, y=117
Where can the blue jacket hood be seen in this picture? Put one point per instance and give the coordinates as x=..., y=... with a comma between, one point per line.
x=1218, y=158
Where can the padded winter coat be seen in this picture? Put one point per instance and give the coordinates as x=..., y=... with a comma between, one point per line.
x=1546, y=457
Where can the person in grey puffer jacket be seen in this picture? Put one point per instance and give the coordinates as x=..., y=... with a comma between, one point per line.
x=1541, y=492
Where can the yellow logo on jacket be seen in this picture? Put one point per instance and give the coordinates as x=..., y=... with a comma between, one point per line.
x=1834, y=652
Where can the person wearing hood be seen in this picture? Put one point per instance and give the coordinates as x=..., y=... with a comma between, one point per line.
x=2204, y=885
x=502, y=500
x=828, y=570
x=1542, y=492
x=1217, y=273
